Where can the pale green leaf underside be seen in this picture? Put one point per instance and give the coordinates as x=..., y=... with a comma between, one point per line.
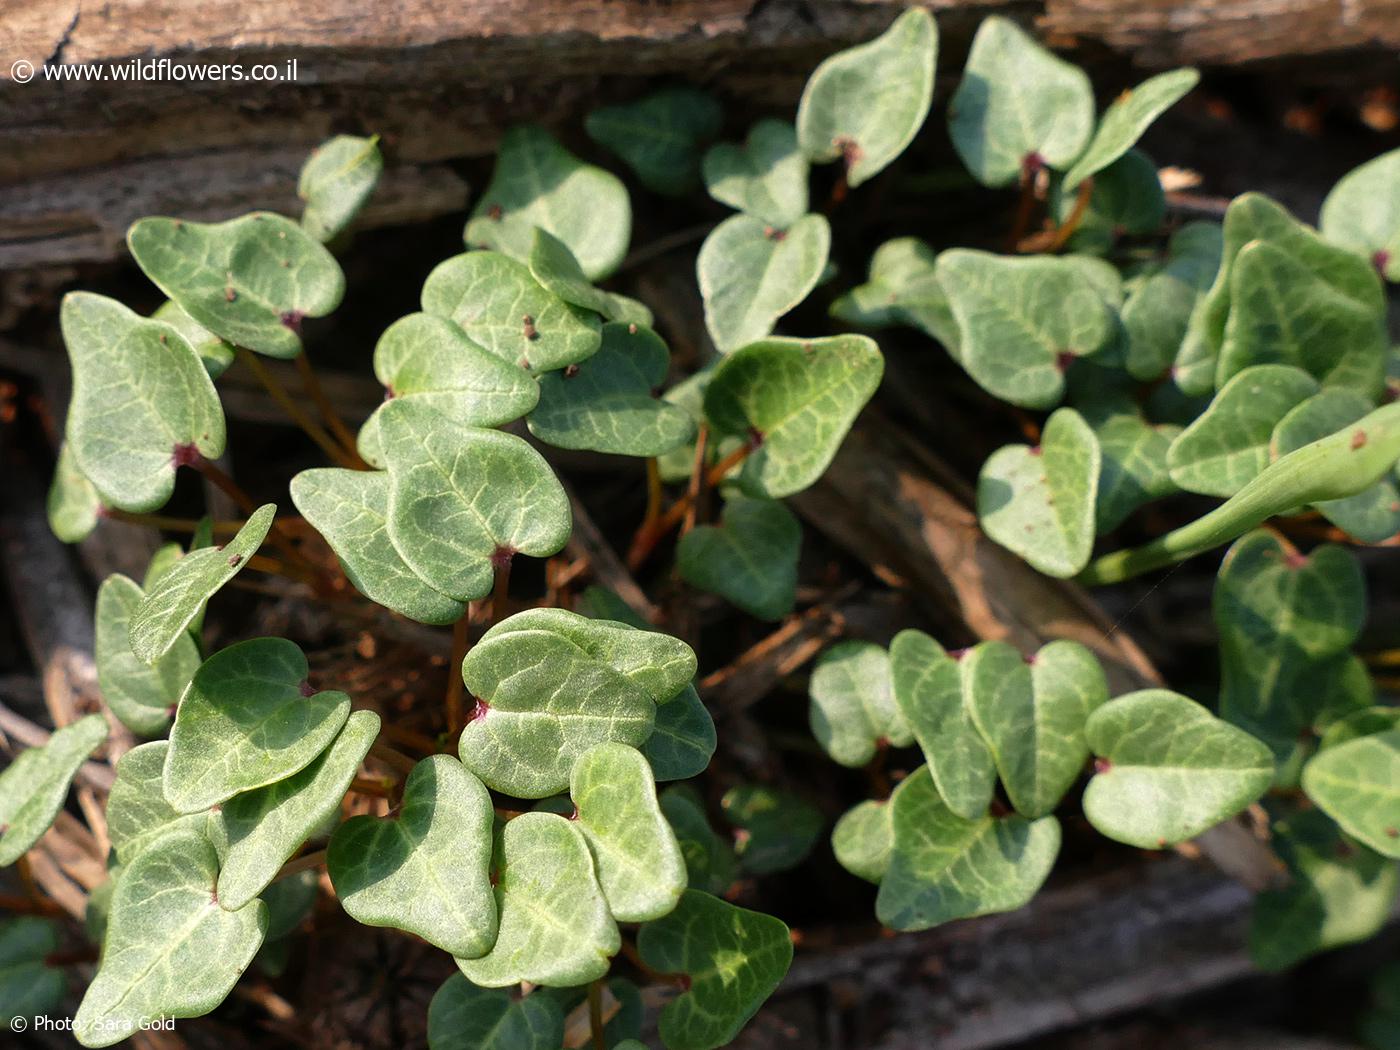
x=1357, y=784
x=143, y=696
x=336, y=181
x=659, y=136
x=73, y=505
x=34, y=785
x=1362, y=212
x=462, y=1016
x=556, y=270
x=765, y=177
x=749, y=557
x=137, y=813
x=1130, y=114
x=214, y=353
x=852, y=711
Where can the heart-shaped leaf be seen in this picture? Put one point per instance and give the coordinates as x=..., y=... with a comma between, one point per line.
x=864, y=105
x=426, y=870
x=1039, y=501
x=137, y=813
x=214, y=353
x=1370, y=516
x=248, y=719
x=1032, y=715
x=170, y=950
x=734, y=958
x=143, y=696
x=249, y=280
x=350, y=509
x=1341, y=892
x=749, y=558
x=1018, y=106
x=637, y=858
x=661, y=666
x=611, y=402
x=1285, y=622
x=462, y=1016
x=1361, y=212
x=178, y=596
x=336, y=181
x=1158, y=311
x=537, y=182
x=930, y=692
x=29, y=986
x=1023, y=321
x=943, y=867
x=142, y=402
x=257, y=831
x=73, y=505
x=709, y=859
x=776, y=829
x=682, y=741
x=498, y=303
x=34, y=785
x=796, y=398
x=766, y=177
x=1229, y=444
x=903, y=289
x=751, y=273
x=1357, y=784
x=556, y=270
x=660, y=135
x=852, y=711
x=863, y=837
x=555, y=926
x=1123, y=123
x=460, y=497
x=1168, y=769
x=1133, y=461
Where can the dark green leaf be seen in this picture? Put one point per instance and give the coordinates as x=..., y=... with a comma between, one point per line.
x=659, y=136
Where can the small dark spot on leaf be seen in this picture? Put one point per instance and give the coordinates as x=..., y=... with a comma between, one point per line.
x=1161, y=843
x=162, y=339
x=292, y=319
x=494, y=212
x=530, y=332
x=286, y=264
x=229, y=294
x=773, y=233
x=571, y=371
x=1358, y=440
x=1392, y=833
x=235, y=561
x=656, y=391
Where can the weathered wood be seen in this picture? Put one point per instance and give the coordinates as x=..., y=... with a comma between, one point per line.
x=80, y=159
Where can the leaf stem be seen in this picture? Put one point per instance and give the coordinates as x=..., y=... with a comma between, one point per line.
x=309, y=426
x=595, y=1014
x=20, y=905
x=500, y=593
x=629, y=949
x=647, y=539
x=395, y=760
x=328, y=413
x=281, y=538
x=697, y=478
x=654, y=491
x=456, y=688
x=300, y=864
x=370, y=786
x=1076, y=216
x=160, y=521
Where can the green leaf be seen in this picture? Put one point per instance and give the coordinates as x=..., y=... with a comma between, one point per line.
x=137, y=813
x=34, y=785
x=1362, y=722
x=798, y=398
x=538, y=183
x=141, y=402
x=1126, y=198
x=427, y=869
x=852, y=711
x=660, y=136
x=350, y=508
x=214, y=353
x=289, y=901
x=656, y=663
x=257, y=831
x=682, y=742
x=29, y=987
x=1123, y=123
x=1158, y=311
x=637, y=858
x=751, y=273
x=1370, y=516
x=1017, y=106
x=460, y=497
x=765, y=177
x=749, y=558
x=1039, y=501
x=709, y=859
x=734, y=957
x=143, y=696
x=1357, y=784
x=1023, y=321
x=1133, y=461
x=943, y=867
x=863, y=837
x=1286, y=622
x=1032, y=714
x=611, y=402
x=903, y=289
x=178, y=596
x=170, y=950
x=555, y=925
x=336, y=181
x=1229, y=444
x=1362, y=213
x=864, y=105
x=556, y=270
x=498, y=303
x=777, y=829
x=249, y=280
x=462, y=1016
x=73, y=505
x=930, y=691
x=248, y=719
x=1168, y=769
x=1340, y=893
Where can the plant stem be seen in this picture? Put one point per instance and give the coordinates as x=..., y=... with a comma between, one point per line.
x=647, y=539
x=281, y=538
x=312, y=429
x=697, y=479
x=273, y=567
x=19, y=905
x=500, y=593
x=396, y=760
x=456, y=688
x=375, y=788
x=328, y=413
x=160, y=521
x=305, y=863
x=654, y=490
x=1076, y=216
x=595, y=1014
